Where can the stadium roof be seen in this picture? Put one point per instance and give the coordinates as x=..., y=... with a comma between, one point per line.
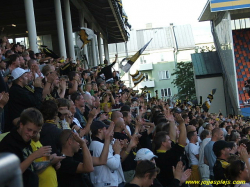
x=105, y=15
x=207, y=14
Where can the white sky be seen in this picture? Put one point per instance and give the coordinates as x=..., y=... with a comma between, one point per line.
x=163, y=12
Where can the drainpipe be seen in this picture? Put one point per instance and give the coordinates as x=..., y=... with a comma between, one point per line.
x=175, y=43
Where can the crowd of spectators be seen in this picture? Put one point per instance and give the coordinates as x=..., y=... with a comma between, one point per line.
x=72, y=126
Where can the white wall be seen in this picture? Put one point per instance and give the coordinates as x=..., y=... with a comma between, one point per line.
x=205, y=86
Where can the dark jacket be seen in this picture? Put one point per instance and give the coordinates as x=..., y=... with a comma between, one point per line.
x=20, y=99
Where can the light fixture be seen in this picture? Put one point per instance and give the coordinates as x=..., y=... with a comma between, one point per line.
x=27, y=31
x=13, y=25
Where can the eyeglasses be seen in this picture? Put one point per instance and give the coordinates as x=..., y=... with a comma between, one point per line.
x=69, y=136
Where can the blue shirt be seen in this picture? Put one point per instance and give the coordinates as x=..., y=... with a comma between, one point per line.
x=210, y=156
x=78, y=115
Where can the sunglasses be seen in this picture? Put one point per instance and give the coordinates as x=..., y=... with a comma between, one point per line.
x=71, y=134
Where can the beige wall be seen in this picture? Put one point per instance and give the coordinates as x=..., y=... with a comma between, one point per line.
x=205, y=86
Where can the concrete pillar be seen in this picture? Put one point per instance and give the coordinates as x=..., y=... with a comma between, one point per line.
x=99, y=40
x=60, y=29
x=69, y=30
x=106, y=50
x=31, y=24
x=94, y=52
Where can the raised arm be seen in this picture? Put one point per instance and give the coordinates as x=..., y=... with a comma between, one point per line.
x=172, y=127
x=102, y=160
x=182, y=128
x=86, y=165
x=92, y=115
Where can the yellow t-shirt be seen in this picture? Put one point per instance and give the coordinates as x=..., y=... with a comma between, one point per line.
x=48, y=177
x=108, y=105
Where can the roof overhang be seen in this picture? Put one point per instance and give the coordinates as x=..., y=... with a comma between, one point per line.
x=108, y=15
x=207, y=15
x=104, y=14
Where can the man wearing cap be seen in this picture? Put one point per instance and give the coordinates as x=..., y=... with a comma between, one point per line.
x=146, y=154
x=21, y=98
x=111, y=173
x=221, y=150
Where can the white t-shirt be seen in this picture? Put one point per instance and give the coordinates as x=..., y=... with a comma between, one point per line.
x=200, y=130
x=193, y=150
x=128, y=128
x=199, y=140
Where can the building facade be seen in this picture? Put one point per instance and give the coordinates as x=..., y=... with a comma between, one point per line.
x=169, y=46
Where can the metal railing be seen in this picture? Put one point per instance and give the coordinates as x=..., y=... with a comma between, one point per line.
x=10, y=171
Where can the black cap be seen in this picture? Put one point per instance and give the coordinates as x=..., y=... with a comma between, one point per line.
x=97, y=125
x=219, y=145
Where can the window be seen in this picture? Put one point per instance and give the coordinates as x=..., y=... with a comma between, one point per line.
x=166, y=92
x=163, y=75
x=143, y=60
x=148, y=96
x=162, y=92
x=146, y=76
x=169, y=92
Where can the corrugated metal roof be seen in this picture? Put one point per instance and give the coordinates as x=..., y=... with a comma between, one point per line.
x=162, y=39
x=207, y=63
x=184, y=37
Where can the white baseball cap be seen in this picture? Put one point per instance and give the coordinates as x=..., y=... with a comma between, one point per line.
x=144, y=154
x=18, y=72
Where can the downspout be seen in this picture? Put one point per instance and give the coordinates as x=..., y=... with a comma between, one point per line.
x=175, y=43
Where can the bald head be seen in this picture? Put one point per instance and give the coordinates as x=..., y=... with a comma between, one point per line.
x=31, y=62
x=217, y=134
x=64, y=136
x=190, y=128
x=115, y=115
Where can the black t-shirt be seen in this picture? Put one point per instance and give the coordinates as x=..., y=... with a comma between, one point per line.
x=67, y=90
x=13, y=143
x=145, y=140
x=220, y=169
x=20, y=99
x=50, y=136
x=107, y=71
x=131, y=185
x=67, y=176
x=120, y=136
x=165, y=161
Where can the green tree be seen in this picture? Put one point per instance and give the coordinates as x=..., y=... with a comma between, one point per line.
x=184, y=80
